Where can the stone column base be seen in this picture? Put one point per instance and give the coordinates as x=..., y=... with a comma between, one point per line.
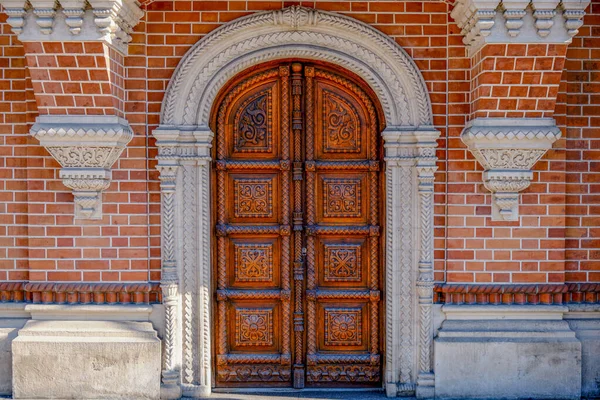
x=507, y=352
x=86, y=359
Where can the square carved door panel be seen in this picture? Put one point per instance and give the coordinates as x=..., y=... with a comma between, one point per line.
x=297, y=220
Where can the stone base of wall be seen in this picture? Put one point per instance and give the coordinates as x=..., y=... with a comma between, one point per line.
x=507, y=352
x=585, y=321
x=79, y=351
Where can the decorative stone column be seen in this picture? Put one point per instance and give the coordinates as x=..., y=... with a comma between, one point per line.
x=184, y=158
x=170, y=388
x=410, y=166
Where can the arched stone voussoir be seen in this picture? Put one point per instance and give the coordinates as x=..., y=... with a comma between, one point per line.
x=297, y=32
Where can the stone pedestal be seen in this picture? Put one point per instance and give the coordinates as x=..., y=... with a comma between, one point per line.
x=86, y=359
x=507, y=352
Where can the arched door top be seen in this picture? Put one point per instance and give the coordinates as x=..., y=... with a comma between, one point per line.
x=301, y=33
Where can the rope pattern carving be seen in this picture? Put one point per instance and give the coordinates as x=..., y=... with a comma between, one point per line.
x=405, y=276
x=189, y=282
x=218, y=42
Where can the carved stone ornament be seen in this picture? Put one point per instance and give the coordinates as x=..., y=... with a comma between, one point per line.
x=507, y=148
x=302, y=33
x=86, y=147
x=110, y=21
x=518, y=21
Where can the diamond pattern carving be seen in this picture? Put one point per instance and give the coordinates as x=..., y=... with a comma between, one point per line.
x=341, y=125
x=342, y=263
x=253, y=198
x=253, y=327
x=343, y=326
x=253, y=262
x=342, y=197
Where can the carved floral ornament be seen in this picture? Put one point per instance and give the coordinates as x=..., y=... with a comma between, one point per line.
x=518, y=21
x=508, y=148
x=86, y=147
x=74, y=20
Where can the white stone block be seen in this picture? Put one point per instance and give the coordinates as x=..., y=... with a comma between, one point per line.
x=8, y=331
x=588, y=332
x=86, y=359
x=507, y=358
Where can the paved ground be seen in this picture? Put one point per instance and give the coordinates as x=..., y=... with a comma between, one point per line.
x=301, y=394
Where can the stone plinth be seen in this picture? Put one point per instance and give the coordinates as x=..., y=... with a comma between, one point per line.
x=507, y=352
x=86, y=359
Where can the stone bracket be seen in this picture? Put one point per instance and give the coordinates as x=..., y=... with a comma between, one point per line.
x=508, y=148
x=86, y=147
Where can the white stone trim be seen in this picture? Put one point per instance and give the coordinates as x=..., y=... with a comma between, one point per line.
x=301, y=33
x=86, y=147
x=518, y=21
x=110, y=21
x=512, y=312
x=184, y=140
x=508, y=148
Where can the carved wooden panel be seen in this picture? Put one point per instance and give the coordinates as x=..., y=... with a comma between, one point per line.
x=253, y=309
x=341, y=125
x=253, y=125
x=343, y=326
x=343, y=272
x=342, y=197
x=253, y=327
x=343, y=263
x=253, y=198
x=297, y=225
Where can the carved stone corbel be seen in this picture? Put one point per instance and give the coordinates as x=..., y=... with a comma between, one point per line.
x=507, y=148
x=514, y=11
x=86, y=147
x=108, y=21
x=44, y=11
x=543, y=13
x=16, y=11
x=522, y=20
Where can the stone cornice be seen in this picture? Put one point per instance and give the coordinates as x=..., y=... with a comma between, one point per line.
x=508, y=148
x=518, y=21
x=110, y=21
x=86, y=147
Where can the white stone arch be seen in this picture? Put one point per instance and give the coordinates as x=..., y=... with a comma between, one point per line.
x=184, y=140
x=300, y=33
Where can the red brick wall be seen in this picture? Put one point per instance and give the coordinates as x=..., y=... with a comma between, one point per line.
x=40, y=241
x=579, y=110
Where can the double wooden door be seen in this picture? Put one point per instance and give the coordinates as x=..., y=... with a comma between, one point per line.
x=297, y=255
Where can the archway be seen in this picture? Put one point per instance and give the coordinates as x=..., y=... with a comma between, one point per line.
x=184, y=140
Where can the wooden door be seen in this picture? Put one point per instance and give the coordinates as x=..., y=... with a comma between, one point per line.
x=297, y=225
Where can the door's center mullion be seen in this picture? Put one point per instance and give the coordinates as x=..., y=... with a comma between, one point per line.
x=299, y=369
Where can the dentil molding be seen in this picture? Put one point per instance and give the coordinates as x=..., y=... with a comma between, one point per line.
x=110, y=21
x=518, y=21
x=507, y=148
x=86, y=147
